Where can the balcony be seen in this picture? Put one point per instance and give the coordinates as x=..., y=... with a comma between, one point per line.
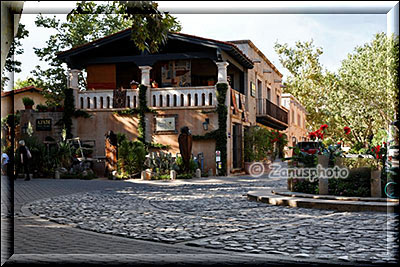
x=161, y=98
x=271, y=115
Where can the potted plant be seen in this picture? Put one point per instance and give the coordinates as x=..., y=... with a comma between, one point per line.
x=134, y=84
x=211, y=82
x=41, y=108
x=28, y=102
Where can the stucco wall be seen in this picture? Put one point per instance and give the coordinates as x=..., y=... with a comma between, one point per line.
x=96, y=127
x=6, y=107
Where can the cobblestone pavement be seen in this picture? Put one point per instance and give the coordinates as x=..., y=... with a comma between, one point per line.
x=217, y=215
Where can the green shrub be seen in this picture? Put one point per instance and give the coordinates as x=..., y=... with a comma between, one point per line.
x=27, y=101
x=305, y=186
x=184, y=176
x=131, y=157
x=357, y=184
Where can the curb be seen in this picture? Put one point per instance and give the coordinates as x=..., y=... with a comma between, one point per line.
x=274, y=198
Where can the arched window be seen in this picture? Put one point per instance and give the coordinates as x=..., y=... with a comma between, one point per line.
x=81, y=102
x=189, y=100
x=168, y=100
x=182, y=100
x=95, y=102
x=154, y=100
x=128, y=100
x=134, y=101
x=203, y=99
x=88, y=102
x=175, y=101
x=108, y=102
x=210, y=99
x=196, y=99
x=161, y=103
x=101, y=102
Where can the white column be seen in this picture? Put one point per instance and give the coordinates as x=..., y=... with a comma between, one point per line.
x=146, y=81
x=73, y=83
x=222, y=72
x=145, y=75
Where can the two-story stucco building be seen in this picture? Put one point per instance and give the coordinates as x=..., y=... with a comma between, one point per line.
x=297, y=130
x=183, y=92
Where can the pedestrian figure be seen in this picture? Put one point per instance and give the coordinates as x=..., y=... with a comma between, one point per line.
x=26, y=156
x=185, y=146
x=4, y=164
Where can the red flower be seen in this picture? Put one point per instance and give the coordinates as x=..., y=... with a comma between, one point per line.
x=347, y=130
x=378, y=148
x=384, y=143
x=274, y=140
x=323, y=127
x=280, y=134
x=339, y=143
x=312, y=135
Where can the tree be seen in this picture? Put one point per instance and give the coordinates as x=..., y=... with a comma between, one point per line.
x=362, y=95
x=88, y=22
x=25, y=83
x=11, y=64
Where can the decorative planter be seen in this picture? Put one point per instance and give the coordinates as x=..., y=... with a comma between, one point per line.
x=28, y=107
x=134, y=86
x=376, y=189
x=211, y=83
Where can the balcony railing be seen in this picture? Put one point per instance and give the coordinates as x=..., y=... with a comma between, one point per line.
x=266, y=107
x=202, y=96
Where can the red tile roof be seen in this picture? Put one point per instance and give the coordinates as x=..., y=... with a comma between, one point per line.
x=21, y=90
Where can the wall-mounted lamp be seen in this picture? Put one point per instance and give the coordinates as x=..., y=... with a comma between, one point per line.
x=267, y=71
x=205, y=124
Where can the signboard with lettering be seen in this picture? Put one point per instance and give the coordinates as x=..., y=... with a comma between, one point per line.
x=253, y=89
x=43, y=124
x=165, y=124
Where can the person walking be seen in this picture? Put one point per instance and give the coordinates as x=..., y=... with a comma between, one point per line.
x=4, y=163
x=25, y=155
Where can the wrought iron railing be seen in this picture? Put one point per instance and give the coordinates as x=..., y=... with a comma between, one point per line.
x=266, y=107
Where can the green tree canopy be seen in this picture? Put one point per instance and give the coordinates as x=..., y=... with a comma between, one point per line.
x=90, y=21
x=13, y=65
x=362, y=95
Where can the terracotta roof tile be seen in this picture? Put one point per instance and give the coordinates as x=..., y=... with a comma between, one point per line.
x=21, y=90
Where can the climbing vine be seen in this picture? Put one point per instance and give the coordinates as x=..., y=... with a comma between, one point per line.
x=219, y=135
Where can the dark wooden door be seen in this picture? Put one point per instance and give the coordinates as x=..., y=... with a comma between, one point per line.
x=237, y=146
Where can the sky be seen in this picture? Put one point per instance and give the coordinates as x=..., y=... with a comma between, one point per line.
x=337, y=34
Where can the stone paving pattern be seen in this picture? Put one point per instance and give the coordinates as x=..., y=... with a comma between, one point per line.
x=218, y=216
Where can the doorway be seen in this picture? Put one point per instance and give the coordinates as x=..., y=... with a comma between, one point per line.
x=237, y=146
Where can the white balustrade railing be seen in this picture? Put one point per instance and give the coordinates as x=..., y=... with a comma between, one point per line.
x=160, y=98
x=103, y=99
x=183, y=96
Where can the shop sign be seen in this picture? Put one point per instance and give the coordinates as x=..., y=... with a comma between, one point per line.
x=43, y=124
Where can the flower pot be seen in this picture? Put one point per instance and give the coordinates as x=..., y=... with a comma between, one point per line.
x=211, y=83
x=28, y=107
x=134, y=86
